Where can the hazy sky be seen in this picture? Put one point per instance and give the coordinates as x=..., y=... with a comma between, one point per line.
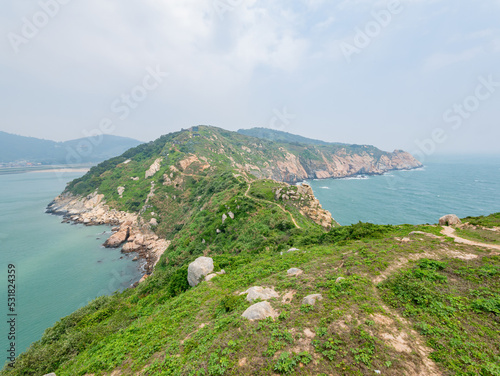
x=388, y=73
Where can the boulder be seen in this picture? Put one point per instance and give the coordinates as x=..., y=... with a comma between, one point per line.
x=153, y=222
x=130, y=247
x=259, y=311
x=449, y=220
x=311, y=299
x=258, y=292
x=292, y=250
x=198, y=269
x=117, y=239
x=339, y=279
x=294, y=272
x=50, y=374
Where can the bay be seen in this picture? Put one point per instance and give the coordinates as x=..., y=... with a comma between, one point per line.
x=461, y=185
x=59, y=267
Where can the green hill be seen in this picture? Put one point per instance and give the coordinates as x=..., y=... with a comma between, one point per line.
x=14, y=148
x=394, y=299
x=280, y=136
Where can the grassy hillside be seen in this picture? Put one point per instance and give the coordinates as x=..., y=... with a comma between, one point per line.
x=395, y=299
x=280, y=136
x=408, y=303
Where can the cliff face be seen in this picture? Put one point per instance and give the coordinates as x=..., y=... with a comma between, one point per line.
x=302, y=197
x=339, y=164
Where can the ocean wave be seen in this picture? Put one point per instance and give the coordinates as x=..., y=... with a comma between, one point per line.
x=360, y=177
x=324, y=187
x=413, y=169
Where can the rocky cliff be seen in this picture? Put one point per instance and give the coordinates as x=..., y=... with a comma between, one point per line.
x=327, y=164
x=130, y=231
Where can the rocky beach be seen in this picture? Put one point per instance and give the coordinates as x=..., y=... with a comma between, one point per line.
x=129, y=230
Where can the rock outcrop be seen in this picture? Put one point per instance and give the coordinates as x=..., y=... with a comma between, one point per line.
x=260, y=311
x=211, y=276
x=154, y=168
x=311, y=299
x=129, y=231
x=449, y=220
x=294, y=272
x=333, y=164
x=302, y=197
x=199, y=269
x=258, y=292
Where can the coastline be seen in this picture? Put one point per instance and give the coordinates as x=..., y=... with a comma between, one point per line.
x=39, y=169
x=130, y=233
x=363, y=176
x=60, y=170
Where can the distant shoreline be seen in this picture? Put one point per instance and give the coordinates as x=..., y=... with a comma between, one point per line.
x=76, y=169
x=39, y=169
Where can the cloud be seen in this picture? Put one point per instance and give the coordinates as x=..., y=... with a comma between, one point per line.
x=443, y=60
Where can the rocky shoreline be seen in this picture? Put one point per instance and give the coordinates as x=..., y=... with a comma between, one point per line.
x=129, y=230
x=293, y=169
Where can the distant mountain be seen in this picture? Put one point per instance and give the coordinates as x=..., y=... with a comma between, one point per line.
x=14, y=148
x=280, y=136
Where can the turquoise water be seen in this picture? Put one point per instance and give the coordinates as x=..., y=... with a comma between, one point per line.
x=59, y=267
x=459, y=185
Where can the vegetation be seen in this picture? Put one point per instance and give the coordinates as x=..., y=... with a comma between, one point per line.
x=391, y=298
x=492, y=220
x=163, y=327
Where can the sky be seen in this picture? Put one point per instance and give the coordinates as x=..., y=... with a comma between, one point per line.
x=419, y=75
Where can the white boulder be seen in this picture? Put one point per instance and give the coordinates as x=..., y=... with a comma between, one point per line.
x=198, y=269
x=260, y=311
x=258, y=292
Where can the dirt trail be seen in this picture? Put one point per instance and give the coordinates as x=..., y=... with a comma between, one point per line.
x=281, y=207
x=449, y=231
x=408, y=340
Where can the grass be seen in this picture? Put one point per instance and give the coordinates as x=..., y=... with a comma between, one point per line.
x=492, y=220
x=479, y=235
x=455, y=305
x=156, y=329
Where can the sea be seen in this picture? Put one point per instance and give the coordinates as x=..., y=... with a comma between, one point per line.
x=461, y=185
x=60, y=267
